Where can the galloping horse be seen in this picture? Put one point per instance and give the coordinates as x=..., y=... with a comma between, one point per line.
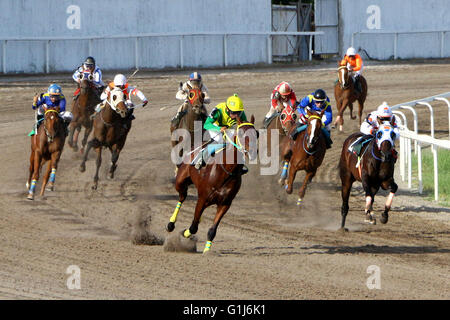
x=306, y=152
x=82, y=109
x=111, y=127
x=219, y=181
x=193, y=114
x=47, y=144
x=345, y=95
x=281, y=123
x=375, y=168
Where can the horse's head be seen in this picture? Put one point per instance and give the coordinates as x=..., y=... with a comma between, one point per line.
x=117, y=102
x=52, y=123
x=86, y=79
x=246, y=138
x=343, y=76
x=314, y=127
x=384, y=138
x=196, y=98
x=288, y=118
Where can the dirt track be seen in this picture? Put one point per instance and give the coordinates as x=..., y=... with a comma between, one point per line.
x=265, y=248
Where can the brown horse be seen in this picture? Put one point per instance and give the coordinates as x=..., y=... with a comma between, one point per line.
x=219, y=181
x=281, y=124
x=345, y=95
x=375, y=168
x=46, y=145
x=82, y=109
x=306, y=152
x=111, y=127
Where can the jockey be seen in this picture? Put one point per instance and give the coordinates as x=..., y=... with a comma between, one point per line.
x=354, y=63
x=370, y=126
x=195, y=81
x=281, y=96
x=317, y=101
x=52, y=99
x=89, y=66
x=223, y=116
x=120, y=81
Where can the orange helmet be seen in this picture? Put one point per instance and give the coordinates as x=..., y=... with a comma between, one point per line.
x=284, y=89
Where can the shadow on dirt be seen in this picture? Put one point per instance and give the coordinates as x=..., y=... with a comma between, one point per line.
x=376, y=249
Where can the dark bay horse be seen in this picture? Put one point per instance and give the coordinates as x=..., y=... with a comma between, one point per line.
x=375, y=168
x=193, y=114
x=46, y=145
x=306, y=153
x=345, y=95
x=281, y=124
x=111, y=127
x=82, y=109
x=219, y=181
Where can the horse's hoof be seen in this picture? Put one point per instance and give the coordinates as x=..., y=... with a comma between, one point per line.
x=370, y=219
x=170, y=226
x=50, y=188
x=27, y=185
x=82, y=168
x=384, y=218
x=288, y=190
x=282, y=182
x=299, y=201
x=30, y=196
x=342, y=230
x=94, y=187
x=81, y=151
x=333, y=127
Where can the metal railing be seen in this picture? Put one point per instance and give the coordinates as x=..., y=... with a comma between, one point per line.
x=407, y=136
x=397, y=33
x=181, y=36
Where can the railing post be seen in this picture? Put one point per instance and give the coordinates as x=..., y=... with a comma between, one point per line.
x=310, y=47
x=181, y=52
x=436, y=175
x=431, y=115
x=419, y=167
x=448, y=105
x=225, y=57
x=4, y=56
x=269, y=49
x=395, y=45
x=47, y=56
x=442, y=44
x=136, y=52
x=416, y=127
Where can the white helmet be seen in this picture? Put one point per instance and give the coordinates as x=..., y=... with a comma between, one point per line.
x=284, y=89
x=384, y=112
x=120, y=80
x=351, y=51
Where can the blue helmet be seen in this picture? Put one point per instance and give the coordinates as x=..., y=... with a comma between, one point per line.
x=195, y=76
x=54, y=90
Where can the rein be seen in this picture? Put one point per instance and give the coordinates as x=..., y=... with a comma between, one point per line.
x=238, y=146
x=306, y=135
x=49, y=138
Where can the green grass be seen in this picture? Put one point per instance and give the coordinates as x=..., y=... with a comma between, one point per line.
x=428, y=174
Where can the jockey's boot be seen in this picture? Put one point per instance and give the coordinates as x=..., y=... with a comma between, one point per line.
x=328, y=140
x=358, y=84
x=266, y=122
x=202, y=158
x=177, y=118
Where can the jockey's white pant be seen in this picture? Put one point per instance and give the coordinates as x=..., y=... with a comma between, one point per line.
x=217, y=136
x=356, y=73
x=271, y=112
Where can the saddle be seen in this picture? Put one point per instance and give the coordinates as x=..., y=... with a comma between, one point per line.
x=299, y=128
x=267, y=121
x=356, y=146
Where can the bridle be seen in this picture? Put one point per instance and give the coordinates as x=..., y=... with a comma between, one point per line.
x=49, y=137
x=344, y=85
x=307, y=135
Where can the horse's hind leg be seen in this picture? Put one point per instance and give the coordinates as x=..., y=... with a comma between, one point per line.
x=347, y=180
x=53, y=165
x=36, y=169
x=199, y=208
x=98, y=163
x=87, y=131
x=291, y=177
x=93, y=143
x=221, y=210
x=30, y=170
x=115, y=152
x=301, y=193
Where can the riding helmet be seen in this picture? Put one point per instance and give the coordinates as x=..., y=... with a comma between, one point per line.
x=90, y=61
x=285, y=89
x=54, y=90
x=195, y=76
x=235, y=104
x=319, y=95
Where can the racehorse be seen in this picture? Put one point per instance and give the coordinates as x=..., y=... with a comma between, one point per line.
x=111, y=127
x=193, y=114
x=282, y=124
x=46, y=145
x=306, y=153
x=345, y=95
x=219, y=181
x=375, y=168
x=82, y=109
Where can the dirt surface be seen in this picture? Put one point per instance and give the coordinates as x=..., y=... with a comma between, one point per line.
x=265, y=248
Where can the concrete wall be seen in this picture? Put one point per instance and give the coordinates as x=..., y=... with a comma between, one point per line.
x=101, y=18
x=382, y=18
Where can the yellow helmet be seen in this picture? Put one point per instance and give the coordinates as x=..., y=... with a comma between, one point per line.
x=235, y=104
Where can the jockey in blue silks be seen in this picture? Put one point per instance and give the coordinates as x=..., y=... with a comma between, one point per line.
x=53, y=98
x=316, y=101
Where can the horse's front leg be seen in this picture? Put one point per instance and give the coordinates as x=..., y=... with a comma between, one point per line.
x=98, y=163
x=370, y=218
x=36, y=169
x=87, y=131
x=199, y=208
x=387, y=207
x=54, y=166
x=221, y=210
x=301, y=193
x=284, y=173
x=94, y=143
x=291, y=178
x=31, y=169
x=115, y=152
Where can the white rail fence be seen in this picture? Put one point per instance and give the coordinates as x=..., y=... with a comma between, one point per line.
x=407, y=136
x=181, y=36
